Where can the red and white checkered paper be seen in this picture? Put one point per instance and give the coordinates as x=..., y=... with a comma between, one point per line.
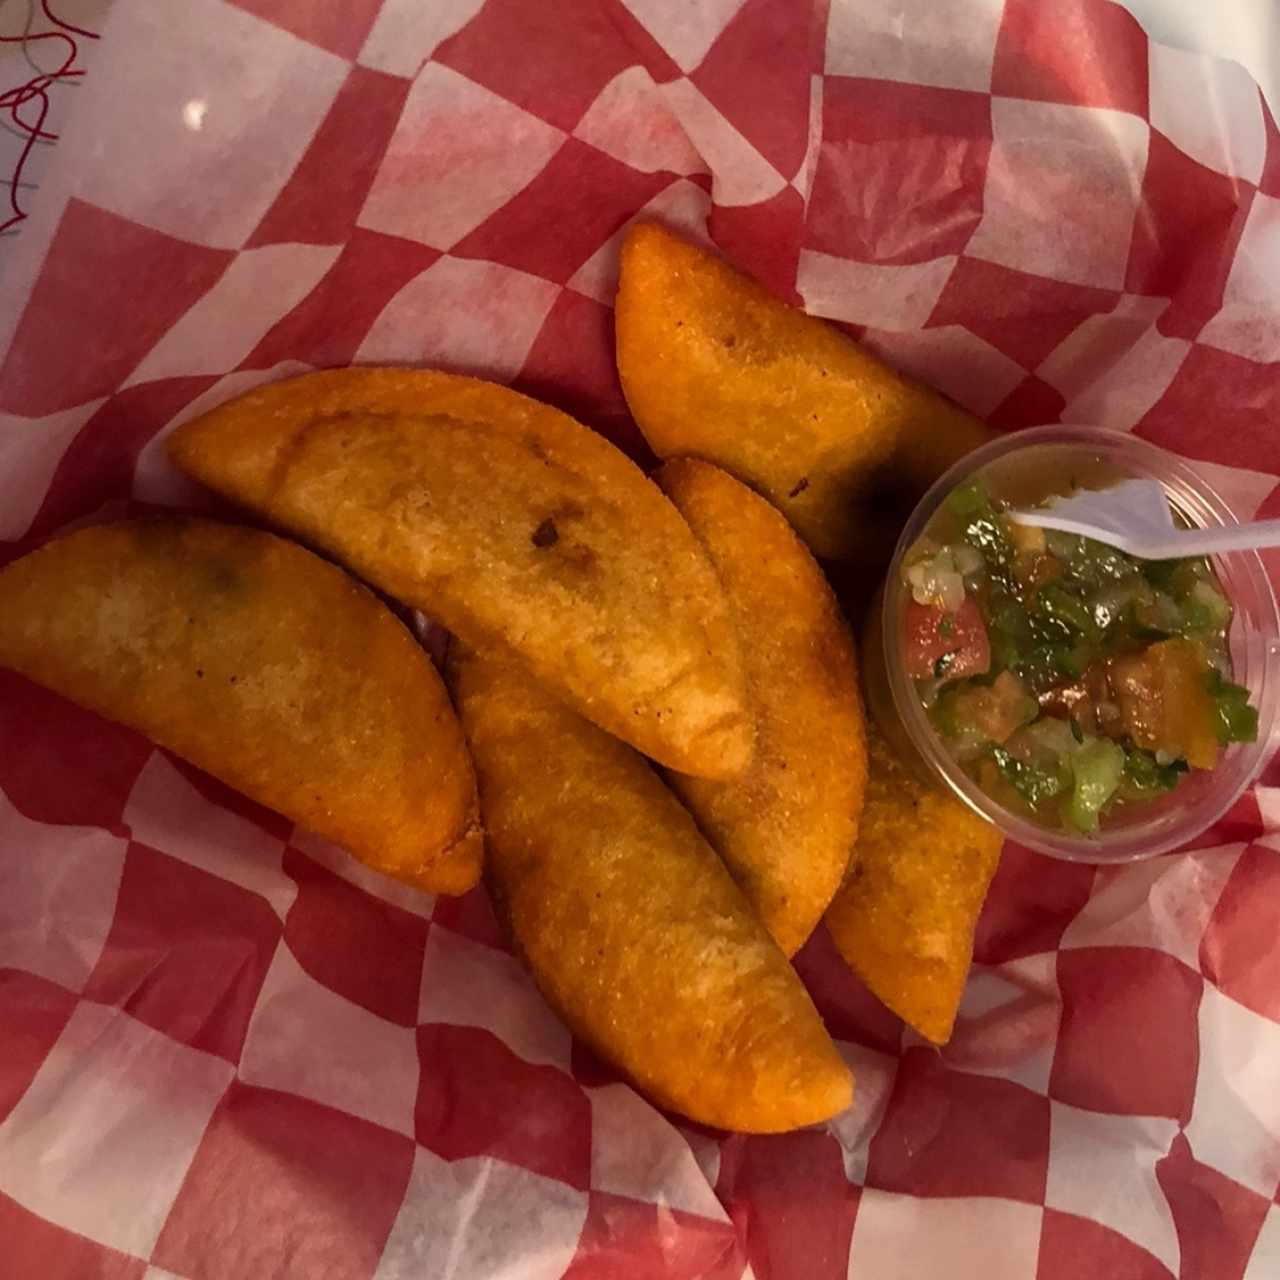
x=226, y=1050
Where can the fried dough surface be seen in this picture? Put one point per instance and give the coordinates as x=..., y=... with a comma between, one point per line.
x=905, y=917
x=265, y=666
x=632, y=927
x=786, y=828
x=715, y=367
x=513, y=525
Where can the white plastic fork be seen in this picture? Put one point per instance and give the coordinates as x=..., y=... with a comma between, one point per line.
x=1135, y=516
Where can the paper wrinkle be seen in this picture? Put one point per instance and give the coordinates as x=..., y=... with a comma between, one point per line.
x=1248, y=324
x=683, y=206
x=155, y=478
x=1103, y=1167
x=30, y=450
x=874, y=1074
x=706, y=1152
x=102, y=1139
x=1165, y=903
x=1210, y=109
x=1100, y=343
x=259, y=288
x=1235, y=1120
x=953, y=360
x=685, y=31
x=406, y=33
x=458, y=154
x=342, y=864
x=803, y=181
x=631, y=121
x=481, y=1217
x=1046, y=157
x=1268, y=798
x=888, y=297
x=463, y=315
x=636, y=1153
x=166, y=812
x=1008, y=1021
x=468, y=984
x=1264, y=1263
x=1128, y=388
x=306, y=1039
x=58, y=901
x=740, y=175
x=946, y=46
x=900, y=1237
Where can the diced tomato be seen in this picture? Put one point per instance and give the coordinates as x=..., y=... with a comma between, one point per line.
x=1087, y=701
x=950, y=645
x=995, y=713
x=1164, y=701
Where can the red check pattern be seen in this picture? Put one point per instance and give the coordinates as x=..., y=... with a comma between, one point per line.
x=226, y=1050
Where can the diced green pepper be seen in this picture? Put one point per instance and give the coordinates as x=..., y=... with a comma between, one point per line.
x=1143, y=772
x=969, y=500
x=1203, y=610
x=1095, y=563
x=1068, y=612
x=1237, y=721
x=1097, y=768
x=1066, y=546
x=1195, y=618
x=986, y=529
x=1158, y=617
x=1008, y=630
x=1048, y=665
x=1034, y=783
x=1089, y=564
x=1160, y=573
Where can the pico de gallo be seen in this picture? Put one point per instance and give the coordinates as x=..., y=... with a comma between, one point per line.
x=1068, y=679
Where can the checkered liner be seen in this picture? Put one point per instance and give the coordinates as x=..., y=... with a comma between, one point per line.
x=228, y=1051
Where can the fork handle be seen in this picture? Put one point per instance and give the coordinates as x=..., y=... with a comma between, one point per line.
x=1251, y=536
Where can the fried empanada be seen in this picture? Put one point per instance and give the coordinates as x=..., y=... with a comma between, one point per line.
x=265, y=666
x=787, y=826
x=633, y=929
x=905, y=917
x=511, y=524
x=715, y=367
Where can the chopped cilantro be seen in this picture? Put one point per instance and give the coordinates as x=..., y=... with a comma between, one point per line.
x=1143, y=772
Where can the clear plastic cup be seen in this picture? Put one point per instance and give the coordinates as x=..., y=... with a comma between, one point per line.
x=1037, y=461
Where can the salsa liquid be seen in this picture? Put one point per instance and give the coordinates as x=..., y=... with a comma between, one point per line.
x=1067, y=678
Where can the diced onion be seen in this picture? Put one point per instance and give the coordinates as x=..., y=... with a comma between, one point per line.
x=1053, y=735
x=1214, y=601
x=937, y=581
